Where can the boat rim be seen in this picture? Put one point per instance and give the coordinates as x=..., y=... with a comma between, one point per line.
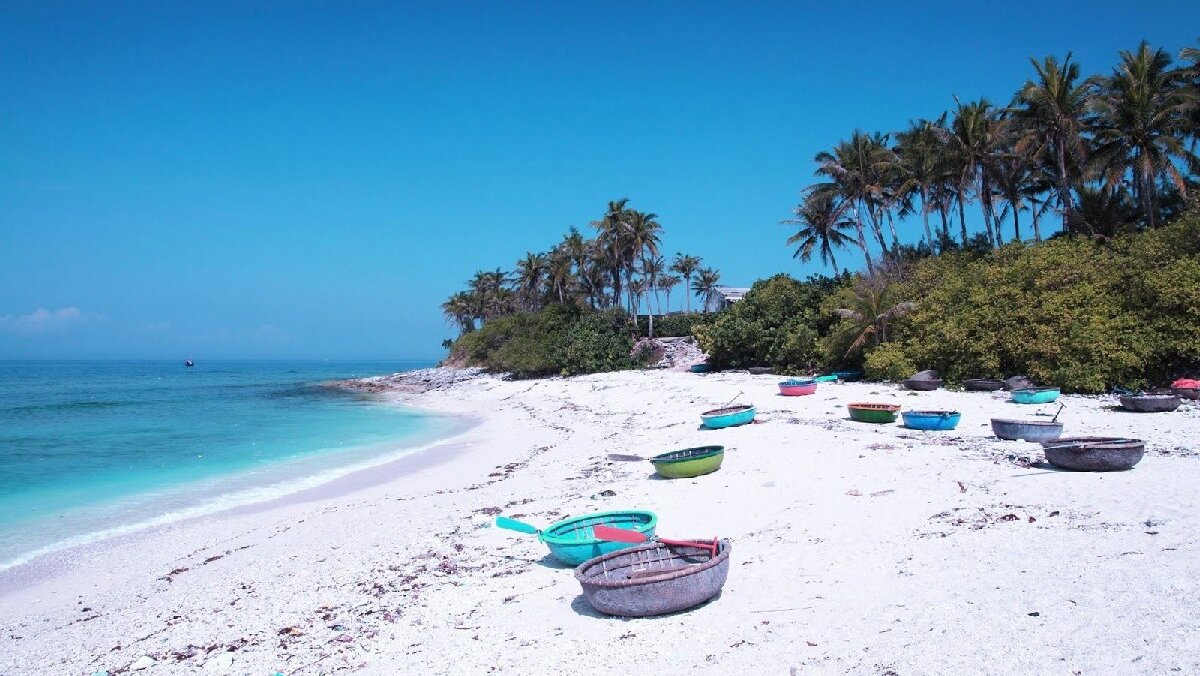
x=868, y=406
x=723, y=547
x=549, y=538
x=712, y=450
x=1046, y=423
x=1092, y=443
x=727, y=410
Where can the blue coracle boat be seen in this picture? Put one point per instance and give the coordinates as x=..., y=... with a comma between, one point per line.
x=931, y=420
x=730, y=416
x=1035, y=395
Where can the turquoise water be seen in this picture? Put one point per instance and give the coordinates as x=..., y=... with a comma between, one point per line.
x=89, y=449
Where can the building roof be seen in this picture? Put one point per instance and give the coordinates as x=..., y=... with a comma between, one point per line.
x=732, y=293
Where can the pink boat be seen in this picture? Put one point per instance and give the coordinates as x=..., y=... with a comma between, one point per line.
x=797, y=388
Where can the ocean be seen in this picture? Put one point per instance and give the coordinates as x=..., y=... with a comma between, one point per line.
x=94, y=449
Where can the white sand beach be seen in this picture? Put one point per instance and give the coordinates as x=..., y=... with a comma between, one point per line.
x=856, y=548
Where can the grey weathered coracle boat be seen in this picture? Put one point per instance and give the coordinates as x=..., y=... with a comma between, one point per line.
x=982, y=385
x=653, y=579
x=922, y=385
x=1150, y=403
x=1186, y=393
x=1094, y=454
x=759, y=370
x=928, y=374
x=1026, y=430
x=1018, y=383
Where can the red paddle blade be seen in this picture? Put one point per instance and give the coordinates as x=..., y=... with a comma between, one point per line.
x=710, y=546
x=603, y=532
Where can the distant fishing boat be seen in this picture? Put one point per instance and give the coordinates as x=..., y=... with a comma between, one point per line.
x=188, y=363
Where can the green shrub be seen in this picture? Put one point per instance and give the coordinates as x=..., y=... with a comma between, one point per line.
x=775, y=325
x=596, y=343
x=558, y=340
x=1073, y=312
x=670, y=326
x=888, y=362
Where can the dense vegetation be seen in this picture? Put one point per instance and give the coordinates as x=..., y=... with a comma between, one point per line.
x=1112, y=298
x=560, y=339
x=778, y=324
x=1076, y=312
x=1107, y=154
x=621, y=267
x=574, y=309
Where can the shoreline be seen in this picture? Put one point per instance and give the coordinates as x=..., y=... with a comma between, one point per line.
x=391, y=459
x=859, y=548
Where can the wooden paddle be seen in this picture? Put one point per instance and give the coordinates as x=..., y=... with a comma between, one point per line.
x=603, y=532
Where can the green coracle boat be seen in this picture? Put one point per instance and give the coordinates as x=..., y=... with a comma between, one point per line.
x=873, y=413
x=689, y=462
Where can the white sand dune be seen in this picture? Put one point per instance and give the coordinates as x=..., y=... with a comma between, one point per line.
x=866, y=549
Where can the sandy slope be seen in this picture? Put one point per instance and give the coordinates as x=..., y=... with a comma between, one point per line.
x=856, y=548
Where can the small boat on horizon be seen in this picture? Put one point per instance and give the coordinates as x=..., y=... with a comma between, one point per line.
x=188, y=363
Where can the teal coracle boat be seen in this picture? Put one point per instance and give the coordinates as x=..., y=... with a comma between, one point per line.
x=689, y=462
x=848, y=376
x=730, y=416
x=1035, y=395
x=572, y=541
x=931, y=420
x=825, y=379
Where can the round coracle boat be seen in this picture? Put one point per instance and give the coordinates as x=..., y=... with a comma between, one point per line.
x=572, y=542
x=729, y=416
x=698, y=368
x=1150, y=403
x=1026, y=430
x=922, y=384
x=931, y=420
x=1036, y=395
x=982, y=385
x=654, y=578
x=689, y=462
x=759, y=370
x=1094, y=454
x=797, y=388
x=873, y=413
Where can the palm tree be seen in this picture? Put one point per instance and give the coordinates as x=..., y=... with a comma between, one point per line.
x=460, y=309
x=977, y=136
x=644, y=235
x=529, y=274
x=1191, y=78
x=1052, y=110
x=686, y=266
x=487, y=288
x=666, y=283
x=614, y=242
x=872, y=307
x=853, y=170
x=560, y=273
x=652, y=268
x=637, y=288
x=1141, y=126
x=1106, y=212
x=919, y=155
x=706, y=284
x=824, y=227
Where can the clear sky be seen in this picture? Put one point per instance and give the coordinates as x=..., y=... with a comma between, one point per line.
x=303, y=179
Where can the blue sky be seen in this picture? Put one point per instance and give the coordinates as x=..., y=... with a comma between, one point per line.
x=311, y=180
